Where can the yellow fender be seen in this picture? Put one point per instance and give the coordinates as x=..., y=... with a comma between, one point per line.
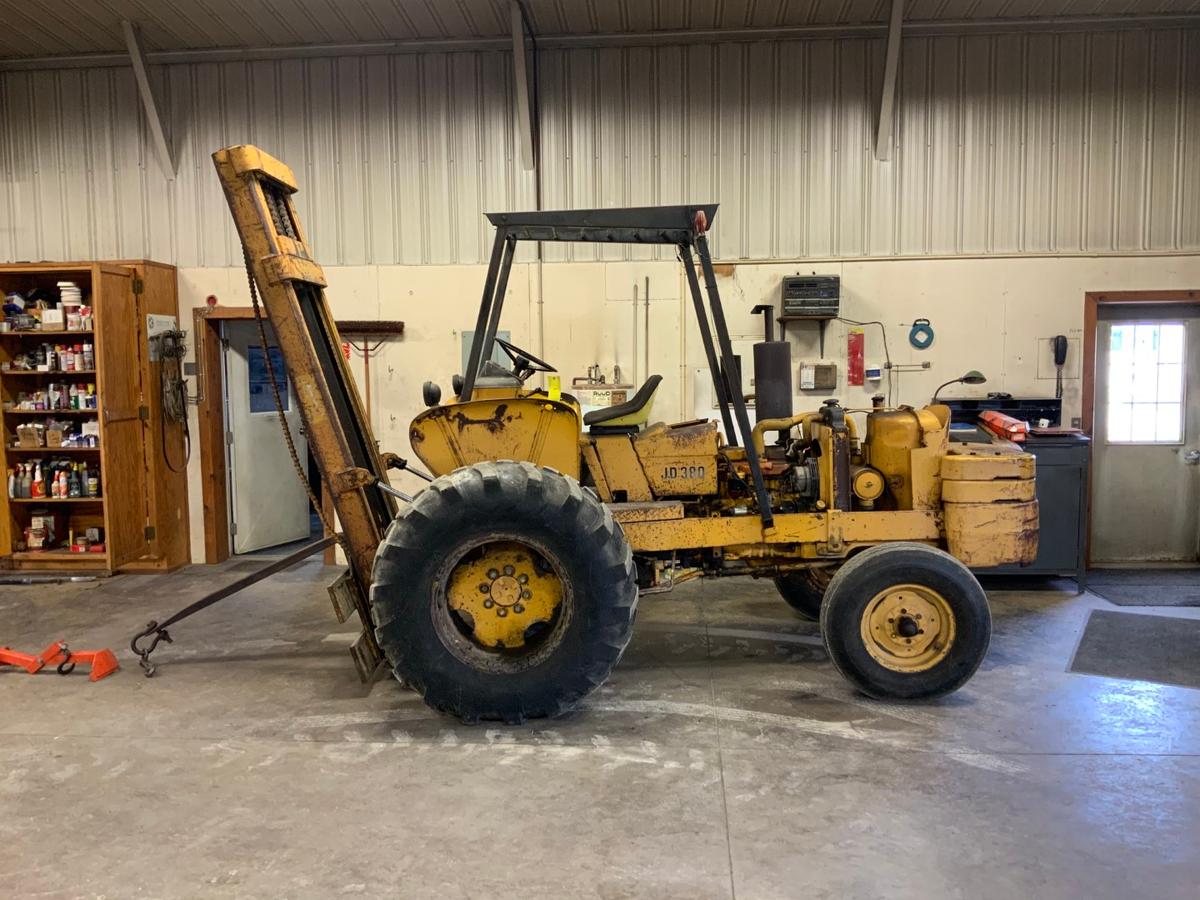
x=539, y=430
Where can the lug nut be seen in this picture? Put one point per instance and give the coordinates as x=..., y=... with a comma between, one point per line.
x=493, y=574
x=523, y=578
x=509, y=570
x=502, y=612
x=518, y=608
x=488, y=604
x=485, y=588
x=525, y=595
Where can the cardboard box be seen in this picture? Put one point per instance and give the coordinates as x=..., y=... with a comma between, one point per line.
x=30, y=436
x=55, y=435
x=51, y=525
x=52, y=320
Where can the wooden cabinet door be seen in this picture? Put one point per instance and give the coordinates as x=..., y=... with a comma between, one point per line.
x=122, y=463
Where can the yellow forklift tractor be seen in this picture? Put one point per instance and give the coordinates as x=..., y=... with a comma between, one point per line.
x=507, y=587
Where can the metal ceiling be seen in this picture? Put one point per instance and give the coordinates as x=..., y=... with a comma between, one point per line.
x=50, y=29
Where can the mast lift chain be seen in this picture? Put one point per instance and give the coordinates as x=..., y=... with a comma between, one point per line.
x=278, y=259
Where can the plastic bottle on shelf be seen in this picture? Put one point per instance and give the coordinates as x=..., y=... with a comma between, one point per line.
x=12, y=483
x=93, y=483
x=25, y=488
x=73, y=488
x=89, y=357
x=77, y=358
x=37, y=487
x=64, y=489
x=83, y=480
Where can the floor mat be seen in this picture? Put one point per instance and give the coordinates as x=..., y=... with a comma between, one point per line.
x=1008, y=582
x=1146, y=587
x=1140, y=647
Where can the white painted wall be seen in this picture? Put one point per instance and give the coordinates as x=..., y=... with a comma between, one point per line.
x=991, y=314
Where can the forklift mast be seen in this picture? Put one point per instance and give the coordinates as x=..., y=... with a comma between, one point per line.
x=259, y=189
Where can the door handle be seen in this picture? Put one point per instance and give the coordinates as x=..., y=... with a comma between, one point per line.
x=1192, y=457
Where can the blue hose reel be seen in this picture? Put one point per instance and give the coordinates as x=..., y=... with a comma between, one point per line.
x=921, y=335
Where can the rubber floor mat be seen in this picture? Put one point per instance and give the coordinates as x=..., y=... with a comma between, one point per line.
x=1140, y=647
x=1146, y=587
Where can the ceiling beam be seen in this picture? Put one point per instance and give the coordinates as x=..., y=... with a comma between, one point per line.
x=522, y=108
x=928, y=28
x=887, y=93
x=153, y=119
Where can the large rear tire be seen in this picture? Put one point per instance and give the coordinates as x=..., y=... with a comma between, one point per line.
x=905, y=621
x=803, y=591
x=504, y=591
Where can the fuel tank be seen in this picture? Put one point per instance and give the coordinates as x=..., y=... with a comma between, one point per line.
x=904, y=444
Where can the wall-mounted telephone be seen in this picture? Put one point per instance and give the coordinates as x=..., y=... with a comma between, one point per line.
x=1060, y=359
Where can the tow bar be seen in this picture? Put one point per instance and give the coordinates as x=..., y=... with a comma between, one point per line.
x=159, y=631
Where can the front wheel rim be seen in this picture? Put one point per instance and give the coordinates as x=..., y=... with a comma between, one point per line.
x=502, y=603
x=908, y=628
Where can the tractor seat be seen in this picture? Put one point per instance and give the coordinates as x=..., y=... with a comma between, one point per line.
x=627, y=416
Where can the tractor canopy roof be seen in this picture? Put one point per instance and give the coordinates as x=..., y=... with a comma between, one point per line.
x=625, y=225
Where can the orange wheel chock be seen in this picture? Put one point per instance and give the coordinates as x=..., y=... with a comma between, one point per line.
x=58, y=654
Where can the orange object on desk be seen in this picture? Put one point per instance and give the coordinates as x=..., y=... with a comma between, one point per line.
x=1004, y=426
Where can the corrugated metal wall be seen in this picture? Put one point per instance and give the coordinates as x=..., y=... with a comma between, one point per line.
x=1003, y=143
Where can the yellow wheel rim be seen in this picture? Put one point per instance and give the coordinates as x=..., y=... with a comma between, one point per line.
x=502, y=589
x=908, y=628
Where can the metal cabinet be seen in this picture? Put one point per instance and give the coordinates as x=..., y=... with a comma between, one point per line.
x=1062, y=492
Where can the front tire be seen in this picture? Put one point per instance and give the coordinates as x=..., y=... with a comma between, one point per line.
x=504, y=591
x=905, y=621
x=803, y=591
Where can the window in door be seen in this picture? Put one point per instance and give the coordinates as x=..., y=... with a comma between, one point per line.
x=262, y=399
x=1145, y=383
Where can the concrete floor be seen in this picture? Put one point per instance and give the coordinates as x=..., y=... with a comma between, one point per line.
x=724, y=758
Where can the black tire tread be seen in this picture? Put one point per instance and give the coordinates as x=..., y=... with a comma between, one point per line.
x=503, y=491
x=803, y=591
x=848, y=591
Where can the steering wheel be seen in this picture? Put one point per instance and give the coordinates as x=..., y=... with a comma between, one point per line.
x=524, y=362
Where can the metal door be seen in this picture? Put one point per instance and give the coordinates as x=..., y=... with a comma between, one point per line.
x=268, y=505
x=1146, y=441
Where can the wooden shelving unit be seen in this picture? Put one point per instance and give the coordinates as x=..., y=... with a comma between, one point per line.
x=136, y=492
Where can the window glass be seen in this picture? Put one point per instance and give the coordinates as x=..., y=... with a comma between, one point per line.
x=261, y=397
x=1170, y=426
x=498, y=356
x=1145, y=383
